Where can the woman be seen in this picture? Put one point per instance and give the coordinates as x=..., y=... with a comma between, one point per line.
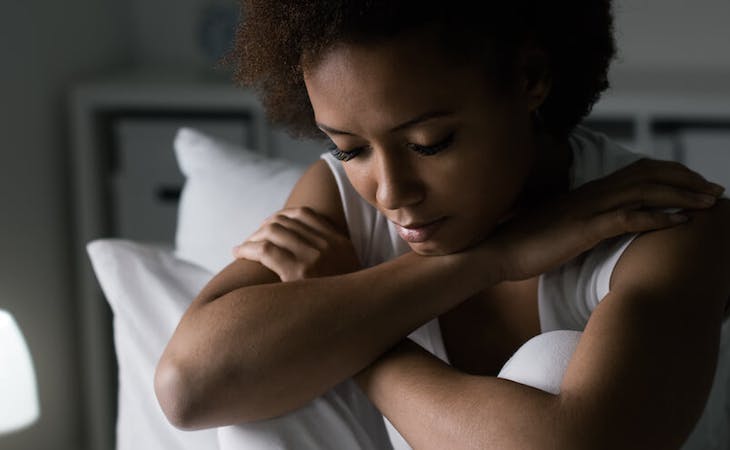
x=465, y=198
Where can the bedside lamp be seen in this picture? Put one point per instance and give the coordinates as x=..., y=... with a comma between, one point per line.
x=18, y=395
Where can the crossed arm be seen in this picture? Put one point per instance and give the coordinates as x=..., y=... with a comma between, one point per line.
x=250, y=348
x=638, y=379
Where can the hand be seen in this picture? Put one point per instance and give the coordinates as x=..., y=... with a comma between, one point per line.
x=298, y=243
x=629, y=200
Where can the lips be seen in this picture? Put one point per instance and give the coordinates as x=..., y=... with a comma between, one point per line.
x=414, y=225
x=419, y=231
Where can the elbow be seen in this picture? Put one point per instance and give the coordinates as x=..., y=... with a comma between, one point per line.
x=174, y=395
x=189, y=402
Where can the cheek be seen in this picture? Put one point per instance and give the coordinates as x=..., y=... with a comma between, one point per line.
x=498, y=165
x=363, y=183
x=490, y=181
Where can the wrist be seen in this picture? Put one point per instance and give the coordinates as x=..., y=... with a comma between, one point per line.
x=481, y=264
x=368, y=378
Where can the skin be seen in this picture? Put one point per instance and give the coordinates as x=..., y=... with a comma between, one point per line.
x=474, y=182
x=269, y=361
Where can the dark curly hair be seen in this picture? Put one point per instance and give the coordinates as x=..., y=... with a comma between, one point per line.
x=276, y=38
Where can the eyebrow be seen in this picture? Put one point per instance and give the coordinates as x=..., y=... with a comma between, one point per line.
x=409, y=123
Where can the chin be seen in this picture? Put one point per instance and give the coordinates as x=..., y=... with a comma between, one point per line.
x=449, y=240
x=433, y=248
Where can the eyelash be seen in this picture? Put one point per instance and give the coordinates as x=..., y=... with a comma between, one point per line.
x=426, y=150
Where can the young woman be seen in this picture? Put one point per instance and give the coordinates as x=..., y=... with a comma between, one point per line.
x=470, y=213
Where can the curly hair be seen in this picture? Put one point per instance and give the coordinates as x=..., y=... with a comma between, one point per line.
x=275, y=39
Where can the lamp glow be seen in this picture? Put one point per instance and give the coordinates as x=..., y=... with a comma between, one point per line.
x=19, y=406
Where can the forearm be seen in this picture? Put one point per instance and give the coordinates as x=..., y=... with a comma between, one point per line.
x=262, y=350
x=636, y=380
x=435, y=406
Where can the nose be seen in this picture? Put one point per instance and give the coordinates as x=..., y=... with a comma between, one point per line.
x=398, y=183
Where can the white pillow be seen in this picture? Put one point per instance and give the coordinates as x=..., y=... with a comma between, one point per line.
x=148, y=289
x=228, y=192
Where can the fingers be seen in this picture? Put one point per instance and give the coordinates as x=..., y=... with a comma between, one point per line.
x=654, y=195
x=280, y=224
x=670, y=173
x=294, y=229
x=263, y=252
x=290, y=243
x=651, y=184
x=278, y=260
x=290, y=237
x=622, y=221
x=311, y=218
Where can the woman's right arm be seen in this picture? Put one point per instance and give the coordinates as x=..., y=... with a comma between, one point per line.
x=250, y=347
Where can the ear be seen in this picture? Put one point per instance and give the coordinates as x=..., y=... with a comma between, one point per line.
x=534, y=71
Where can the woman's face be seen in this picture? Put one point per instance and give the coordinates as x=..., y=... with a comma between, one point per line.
x=425, y=140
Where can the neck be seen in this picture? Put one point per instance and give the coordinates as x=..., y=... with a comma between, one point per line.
x=550, y=176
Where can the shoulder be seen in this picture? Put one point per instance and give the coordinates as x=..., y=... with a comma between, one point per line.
x=317, y=189
x=690, y=260
x=646, y=360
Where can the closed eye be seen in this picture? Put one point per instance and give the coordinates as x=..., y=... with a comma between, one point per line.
x=343, y=155
x=429, y=150
x=426, y=150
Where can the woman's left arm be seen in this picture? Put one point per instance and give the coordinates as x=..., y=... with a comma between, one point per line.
x=639, y=377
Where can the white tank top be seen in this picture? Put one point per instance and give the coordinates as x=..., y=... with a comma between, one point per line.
x=566, y=295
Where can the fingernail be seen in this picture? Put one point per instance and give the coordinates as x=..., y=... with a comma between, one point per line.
x=706, y=199
x=717, y=189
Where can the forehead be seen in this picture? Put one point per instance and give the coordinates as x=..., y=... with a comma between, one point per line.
x=382, y=83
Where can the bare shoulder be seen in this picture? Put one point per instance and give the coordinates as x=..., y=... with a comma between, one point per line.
x=692, y=258
x=317, y=189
